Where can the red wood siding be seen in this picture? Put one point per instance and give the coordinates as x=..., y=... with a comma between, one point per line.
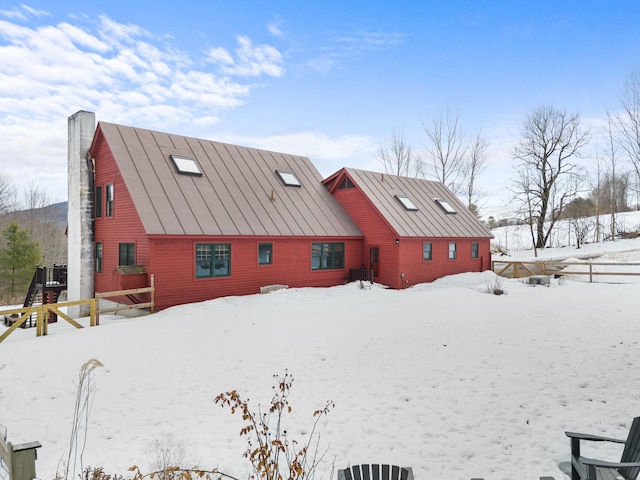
x=123, y=227
x=377, y=233
x=406, y=257
x=416, y=270
x=173, y=266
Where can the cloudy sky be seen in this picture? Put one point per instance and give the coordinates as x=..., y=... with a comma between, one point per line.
x=330, y=80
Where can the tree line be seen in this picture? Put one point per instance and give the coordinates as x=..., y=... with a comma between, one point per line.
x=30, y=237
x=554, y=175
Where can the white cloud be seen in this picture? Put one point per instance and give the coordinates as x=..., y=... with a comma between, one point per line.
x=250, y=60
x=23, y=12
x=342, y=48
x=120, y=71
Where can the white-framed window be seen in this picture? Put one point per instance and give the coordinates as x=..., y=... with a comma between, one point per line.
x=288, y=178
x=406, y=202
x=186, y=165
x=452, y=251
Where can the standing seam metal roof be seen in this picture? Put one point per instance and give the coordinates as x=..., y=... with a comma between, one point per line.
x=430, y=220
x=239, y=192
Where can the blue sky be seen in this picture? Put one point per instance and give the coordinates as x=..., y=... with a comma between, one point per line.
x=329, y=80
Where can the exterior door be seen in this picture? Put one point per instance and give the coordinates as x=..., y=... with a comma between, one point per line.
x=374, y=260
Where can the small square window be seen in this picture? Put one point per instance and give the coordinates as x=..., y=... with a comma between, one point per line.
x=265, y=253
x=446, y=206
x=406, y=202
x=186, y=165
x=288, y=178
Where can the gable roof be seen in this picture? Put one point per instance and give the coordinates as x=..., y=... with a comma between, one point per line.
x=429, y=219
x=238, y=193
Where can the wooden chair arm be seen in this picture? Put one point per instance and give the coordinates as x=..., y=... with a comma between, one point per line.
x=592, y=438
x=605, y=464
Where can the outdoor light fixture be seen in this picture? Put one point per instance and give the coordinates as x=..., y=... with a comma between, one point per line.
x=397, y=241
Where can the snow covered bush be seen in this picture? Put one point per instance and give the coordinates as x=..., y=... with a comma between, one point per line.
x=495, y=286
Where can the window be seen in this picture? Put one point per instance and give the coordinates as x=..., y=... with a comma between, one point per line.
x=127, y=254
x=452, y=250
x=98, y=257
x=326, y=256
x=346, y=183
x=109, y=200
x=474, y=250
x=406, y=202
x=427, y=253
x=288, y=178
x=446, y=206
x=186, y=165
x=213, y=260
x=265, y=252
x=97, y=203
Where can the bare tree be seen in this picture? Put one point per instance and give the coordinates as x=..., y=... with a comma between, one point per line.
x=7, y=196
x=397, y=158
x=446, y=148
x=546, y=156
x=628, y=120
x=478, y=151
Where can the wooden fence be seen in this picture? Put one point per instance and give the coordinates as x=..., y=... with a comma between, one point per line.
x=513, y=269
x=42, y=312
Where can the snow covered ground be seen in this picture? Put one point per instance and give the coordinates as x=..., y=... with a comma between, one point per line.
x=442, y=377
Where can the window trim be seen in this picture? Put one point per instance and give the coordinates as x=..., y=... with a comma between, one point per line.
x=186, y=165
x=424, y=244
x=211, y=267
x=97, y=202
x=288, y=178
x=130, y=247
x=110, y=193
x=454, y=251
x=446, y=206
x=330, y=255
x=98, y=255
x=406, y=202
x=270, y=261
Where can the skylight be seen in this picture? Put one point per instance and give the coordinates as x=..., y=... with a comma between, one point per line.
x=186, y=165
x=288, y=178
x=406, y=202
x=446, y=206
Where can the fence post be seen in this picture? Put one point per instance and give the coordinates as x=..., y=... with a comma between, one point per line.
x=590, y=272
x=93, y=312
x=153, y=293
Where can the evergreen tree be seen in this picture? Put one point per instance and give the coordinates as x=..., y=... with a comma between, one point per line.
x=18, y=259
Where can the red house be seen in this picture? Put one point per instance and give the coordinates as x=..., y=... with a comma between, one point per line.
x=209, y=219
x=414, y=230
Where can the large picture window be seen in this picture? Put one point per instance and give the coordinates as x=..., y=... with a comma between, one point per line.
x=213, y=260
x=127, y=254
x=326, y=256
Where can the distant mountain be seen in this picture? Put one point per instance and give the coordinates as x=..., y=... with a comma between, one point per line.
x=55, y=213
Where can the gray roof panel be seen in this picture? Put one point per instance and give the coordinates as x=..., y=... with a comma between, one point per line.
x=239, y=192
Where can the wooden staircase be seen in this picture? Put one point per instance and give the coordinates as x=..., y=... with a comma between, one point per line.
x=46, y=286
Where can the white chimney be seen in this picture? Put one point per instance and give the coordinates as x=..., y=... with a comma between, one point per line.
x=81, y=261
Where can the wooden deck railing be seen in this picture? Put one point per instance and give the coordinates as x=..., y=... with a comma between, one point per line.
x=42, y=311
x=515, y=269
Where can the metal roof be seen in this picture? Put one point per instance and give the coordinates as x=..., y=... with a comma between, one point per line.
x=238, y=192
x=429, y=219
